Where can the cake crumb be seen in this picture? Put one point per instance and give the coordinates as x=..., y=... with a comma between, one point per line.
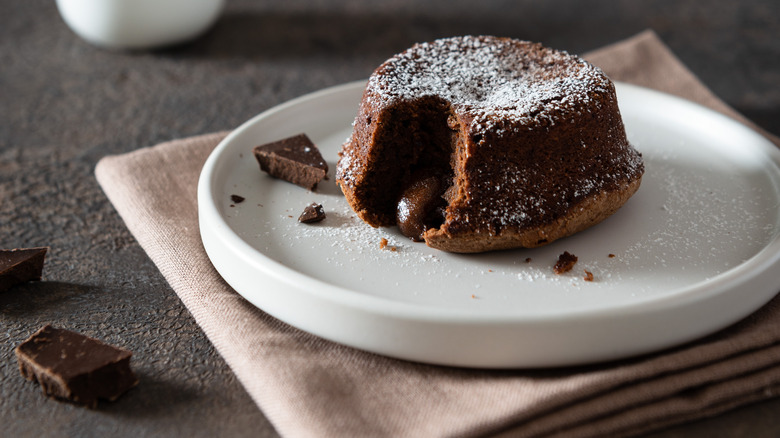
x=588, y=276
x=528, y=260
x=237, y=199
x=383, y=245
x=612, y=256
x=565, y=263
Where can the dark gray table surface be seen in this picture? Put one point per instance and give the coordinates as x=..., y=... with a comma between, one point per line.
x=64, y=104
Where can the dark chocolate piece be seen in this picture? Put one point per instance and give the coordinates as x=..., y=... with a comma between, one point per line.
x=74, y=367
x=565, y=262
x=295, y=159
x=312, y=213
x=20, y=265
x=237, y=199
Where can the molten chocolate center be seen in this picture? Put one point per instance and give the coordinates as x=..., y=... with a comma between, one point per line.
x=421, y=206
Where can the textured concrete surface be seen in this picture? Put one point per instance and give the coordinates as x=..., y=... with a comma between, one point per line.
x=64, y=104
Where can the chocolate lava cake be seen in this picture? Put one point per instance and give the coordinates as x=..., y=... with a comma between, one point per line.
x=482, y=143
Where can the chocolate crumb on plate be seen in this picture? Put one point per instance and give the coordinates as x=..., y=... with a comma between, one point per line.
x=588, y=276
x=20, y=266
x=312, y=213
x=565, y=263
x=74, y=367
x=237, y=199
x=384, y=244
x=295, y=159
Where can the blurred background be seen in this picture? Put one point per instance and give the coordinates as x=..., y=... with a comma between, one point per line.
x=65, y=103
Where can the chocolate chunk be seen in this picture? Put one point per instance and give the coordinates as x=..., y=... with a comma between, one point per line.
x=312, y=213
x=74, y=367
x=565, y=263
x=20, y=265
x=295, y=159
x=237, y=199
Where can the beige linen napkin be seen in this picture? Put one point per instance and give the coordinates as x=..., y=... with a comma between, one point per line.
x=307, y=386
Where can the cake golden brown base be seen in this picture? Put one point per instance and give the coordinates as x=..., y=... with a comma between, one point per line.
x=587, y=213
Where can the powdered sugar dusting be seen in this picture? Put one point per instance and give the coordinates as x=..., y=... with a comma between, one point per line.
x=491, y=78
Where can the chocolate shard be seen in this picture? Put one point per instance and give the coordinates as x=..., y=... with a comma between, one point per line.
x=20, y=265
x=312, y=213
x=294, y=159
x=74, y=367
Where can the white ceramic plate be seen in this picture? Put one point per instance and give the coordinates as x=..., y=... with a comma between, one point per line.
x=696, y=249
